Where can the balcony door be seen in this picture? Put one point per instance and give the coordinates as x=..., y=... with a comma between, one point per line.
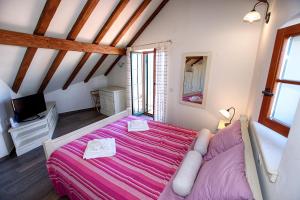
x=142, y=82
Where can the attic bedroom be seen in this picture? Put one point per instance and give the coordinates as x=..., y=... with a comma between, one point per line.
x=149, y=99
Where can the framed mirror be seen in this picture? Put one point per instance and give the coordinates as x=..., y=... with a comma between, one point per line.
x=194, y=78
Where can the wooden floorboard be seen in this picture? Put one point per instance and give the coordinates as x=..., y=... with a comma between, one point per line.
x=26, y=177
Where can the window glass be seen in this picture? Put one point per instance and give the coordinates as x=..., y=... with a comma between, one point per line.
x=140, y=83
x=291, y=62
x=285, y=103
x=134, y=81
x=150, y=82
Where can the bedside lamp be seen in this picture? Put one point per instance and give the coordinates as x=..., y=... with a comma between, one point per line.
x=227, y=115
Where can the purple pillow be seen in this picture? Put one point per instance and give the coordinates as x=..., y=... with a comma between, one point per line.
x=224, y=139
x=223, y=177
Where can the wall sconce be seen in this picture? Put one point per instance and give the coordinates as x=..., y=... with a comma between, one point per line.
x=121, y=64
x=227, y=115
x=254, y=16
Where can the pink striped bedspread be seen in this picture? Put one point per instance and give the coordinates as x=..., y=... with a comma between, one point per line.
x=144, y=164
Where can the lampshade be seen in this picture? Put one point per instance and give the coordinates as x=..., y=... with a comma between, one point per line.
x=225, y=113
x=252, y=16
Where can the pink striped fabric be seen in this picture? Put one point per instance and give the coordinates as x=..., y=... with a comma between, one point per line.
x=144, y=163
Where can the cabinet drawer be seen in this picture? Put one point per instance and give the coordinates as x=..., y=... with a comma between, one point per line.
x=107, y=105
x=105, y=94
x=106, y=111
x=107, y=99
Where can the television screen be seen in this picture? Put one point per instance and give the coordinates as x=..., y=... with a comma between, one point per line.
x=29, y=106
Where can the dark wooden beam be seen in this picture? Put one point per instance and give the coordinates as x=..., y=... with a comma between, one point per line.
x=145, y=25
x=141, y=30
x=40, y=29
x=113, y=17
x=28, y=40
x=81, y=20
x=112, y=65
x=201, y=58
x=125, y=28
x=193, y=57
x=188, y=59
x=111, y=20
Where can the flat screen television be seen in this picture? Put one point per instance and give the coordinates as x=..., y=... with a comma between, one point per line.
x=29, y=106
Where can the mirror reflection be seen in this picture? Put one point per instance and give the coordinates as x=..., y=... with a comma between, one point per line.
x=194, y=79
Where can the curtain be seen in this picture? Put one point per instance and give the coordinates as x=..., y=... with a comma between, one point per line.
x=160, y=108
x=161, y=62
x=128, y=88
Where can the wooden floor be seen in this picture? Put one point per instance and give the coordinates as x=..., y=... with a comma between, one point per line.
x=26, y=177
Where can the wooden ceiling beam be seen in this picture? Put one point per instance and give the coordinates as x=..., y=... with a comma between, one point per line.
x=28, y=40
x=193, y=57
x=111, y=20
x=112, y=65
x=40, y=29
x=140, y=31
x=78, y=25
x=113, y=17
x=201, y=58
x=124, y=30
x=188, y=59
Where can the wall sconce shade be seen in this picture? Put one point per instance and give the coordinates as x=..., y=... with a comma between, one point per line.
x=226, y=114
x=254, y=16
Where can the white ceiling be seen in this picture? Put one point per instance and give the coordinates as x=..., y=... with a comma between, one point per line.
x=22, y=16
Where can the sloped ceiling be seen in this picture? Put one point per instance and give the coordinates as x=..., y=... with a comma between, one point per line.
x=22, y=16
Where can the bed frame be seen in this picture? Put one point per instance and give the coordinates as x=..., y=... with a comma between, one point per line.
x=52, y=145
x=251, y=173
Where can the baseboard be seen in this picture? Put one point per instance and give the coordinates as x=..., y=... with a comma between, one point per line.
x=11, y=154
x=76, y=111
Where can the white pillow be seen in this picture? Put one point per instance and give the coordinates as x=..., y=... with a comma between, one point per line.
x=187, y=173
x=202, y=141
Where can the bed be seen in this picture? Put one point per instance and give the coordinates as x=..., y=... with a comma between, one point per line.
x=187, y=97
x=142, y=169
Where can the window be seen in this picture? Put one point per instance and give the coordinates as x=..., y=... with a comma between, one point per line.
x=282, y=91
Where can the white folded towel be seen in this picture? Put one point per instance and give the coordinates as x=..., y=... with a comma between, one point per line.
x=138, y=125
x=98, y=148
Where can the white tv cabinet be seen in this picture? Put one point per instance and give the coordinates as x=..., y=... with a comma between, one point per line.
x=30, y=135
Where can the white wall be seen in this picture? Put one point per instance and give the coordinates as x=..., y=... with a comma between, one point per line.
x=118, y=75
x=77, y=96
x=201, y=26
x=6, y=143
